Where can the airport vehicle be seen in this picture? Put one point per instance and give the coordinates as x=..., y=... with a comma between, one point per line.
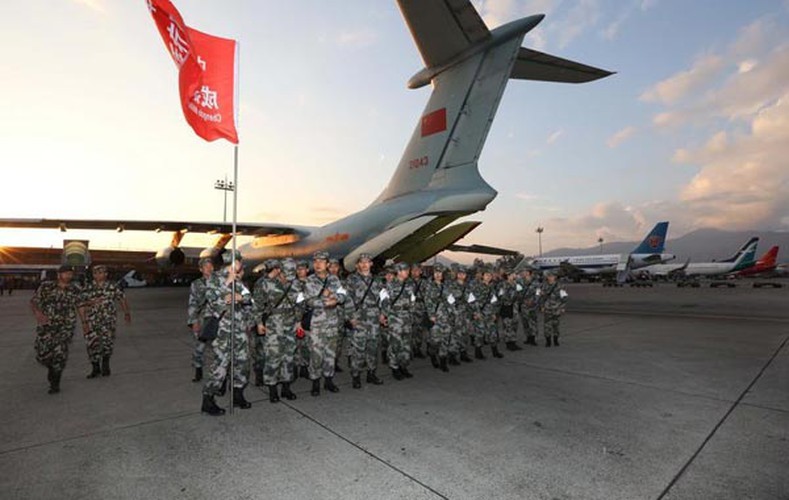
x=650, y=251
x=437, y=180
x=743, y=259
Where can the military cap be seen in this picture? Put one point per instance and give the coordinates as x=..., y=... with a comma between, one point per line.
x=390, y=270
x=321, y=255
x=334, y=260
x=461, y=269
x=204, y=261
x=364, y=256
x=227, y=257
x=439, y=267
x=99, y=267
x=302, y=263
x=288, y=265
x=485, y=269
x=66, y=269
x=454, y=267
x=272, y=264
x=549, y=272
x=416, y=265
x=402, y=266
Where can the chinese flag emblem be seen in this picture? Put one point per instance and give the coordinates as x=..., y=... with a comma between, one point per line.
x=206, y=73
x=435, y=122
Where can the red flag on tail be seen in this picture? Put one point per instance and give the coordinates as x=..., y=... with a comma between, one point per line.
x=206, y=78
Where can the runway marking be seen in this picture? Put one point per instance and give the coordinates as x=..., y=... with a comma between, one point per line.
x=364, y=450
x=723, y=419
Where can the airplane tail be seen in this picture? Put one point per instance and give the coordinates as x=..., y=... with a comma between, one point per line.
x=747, y=255
x=468, y=66
x=770, y=258
x=655, y=241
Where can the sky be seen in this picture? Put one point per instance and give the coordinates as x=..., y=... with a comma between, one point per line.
x=693, y=128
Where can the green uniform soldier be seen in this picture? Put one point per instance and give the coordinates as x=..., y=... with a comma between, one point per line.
x=485, y=308
x=364, y=312
x=219, y=295
x=529, y=305
x=461, y=321
x=553, y=300
x=195, y=313
x=99, y=306
x=419, y=313
x=397, y=305
x=54, y=305
x=335, y=270
x=302, y=347
x=440, y=304
x=272, y=270
x=508, y=295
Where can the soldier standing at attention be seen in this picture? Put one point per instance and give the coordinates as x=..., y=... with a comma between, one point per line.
x=486, y=308
x=458, y=337
x=389, y=276
x=364, y=312
x=219, y=295
x=334, y=270
x=553, y=302
x=99, y=305
x=419, y=312
x=302, y=349
x=530, y=304
x=508, y=294
x=440, y=305
x=55, y=307
x=323, y=294
x=397, y=305
x=196, y=312
x=272, y=271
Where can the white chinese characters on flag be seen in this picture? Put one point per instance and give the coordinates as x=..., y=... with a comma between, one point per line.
x=206, y=78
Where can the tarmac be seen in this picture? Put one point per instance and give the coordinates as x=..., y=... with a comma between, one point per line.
x=656, y=393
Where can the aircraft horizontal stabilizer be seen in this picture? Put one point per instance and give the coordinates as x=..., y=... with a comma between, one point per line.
x=483, y=249
x=534, y=65
x=438, y=242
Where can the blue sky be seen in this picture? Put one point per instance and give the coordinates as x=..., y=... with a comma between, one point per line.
x=693, y=128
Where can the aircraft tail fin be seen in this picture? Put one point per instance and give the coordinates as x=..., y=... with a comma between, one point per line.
x=747, y=256
x=742, y=250
x=769, y=258
x=655, y=241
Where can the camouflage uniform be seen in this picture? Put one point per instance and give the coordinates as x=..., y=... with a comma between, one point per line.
x=507, y=294
x=485, y=307
x=553, y=300
x=322, y=337
x=100, y=303
x=363, y=309
x=529, y=305
x=59, y=305
x=461, y=320
x=302, y=357
x=195, y=312
x=397, y=306
x=418, y=329
x=439, y=302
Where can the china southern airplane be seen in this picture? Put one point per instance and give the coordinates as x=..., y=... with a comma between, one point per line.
x=436, y=181
x=650, y=251
x=743, y=259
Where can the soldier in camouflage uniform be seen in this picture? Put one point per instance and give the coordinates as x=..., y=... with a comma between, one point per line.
x=195, y=313
x=275, y=297
x=397, y=305
x=383, y=339
x=363, y=310
x=553, y=300
x=440, y=304
x=302, y=346
x=419, y=313
x=55, y=307
x=461, y=320
x=530, y=304
x=485, y=307
x=219, y=295
x=508, y=296
x=323, y=294
x=99, y=305
x=335, y=270
x=272, y=270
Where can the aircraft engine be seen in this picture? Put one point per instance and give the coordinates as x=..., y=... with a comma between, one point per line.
x=170, y=256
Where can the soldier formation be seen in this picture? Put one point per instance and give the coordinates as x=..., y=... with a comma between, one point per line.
x=300, y=324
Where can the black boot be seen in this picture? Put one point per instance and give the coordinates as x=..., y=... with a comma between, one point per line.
x=304, y=372
x=418, y=353
x=210, y=406
x=406, y=373
x=286, y=392
x=328, y=384
x=372, y=378
x=465, y=357
x=547, y=341
x=512, y=346
x=531, y=340
x=384, y=357
x=478, y=353
x=223, y=388
x=316, y=387
x=556, y=340
x=495, y=349
x=198, y=374
x=54, y=381
x=453, y=360
x=238, y=399
x=434, y=360
x=273, y=397
x=105, y=366
x=96, y=371
x=259, y=377
x=443, y=362
x=357, y=382
x=337, y=368
x=397, y=374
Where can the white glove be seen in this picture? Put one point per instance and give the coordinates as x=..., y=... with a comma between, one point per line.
x=471, y=298
x=300, y=298
x=383, y=295
x=562, y=294
x=451, y=299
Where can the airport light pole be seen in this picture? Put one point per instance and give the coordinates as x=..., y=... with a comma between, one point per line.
x=600, y=240
x=539, y=231
x=224, y=186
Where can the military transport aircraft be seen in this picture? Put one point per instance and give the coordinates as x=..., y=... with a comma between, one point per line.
x=436, y=181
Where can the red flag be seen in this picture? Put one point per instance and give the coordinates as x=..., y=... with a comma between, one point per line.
x=434, y=122
x=206, y=78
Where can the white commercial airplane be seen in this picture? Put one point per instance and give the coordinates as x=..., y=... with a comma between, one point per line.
x=130, y=280
x=436, y=181
x=650, y=251
x=743, y=259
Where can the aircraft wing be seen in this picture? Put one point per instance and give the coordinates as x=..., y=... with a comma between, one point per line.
x=534, y=65
x=157, y=226
x=483, y=249
x=442, y=28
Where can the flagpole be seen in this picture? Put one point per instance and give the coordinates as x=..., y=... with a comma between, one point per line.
x=235, y=220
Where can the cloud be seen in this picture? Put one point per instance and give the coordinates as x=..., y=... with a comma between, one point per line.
x=648, y=4
x=621, y=136
x=357, y=39
x=554, y=136
x=581, y=17
x=674, y=88
x=94, y=5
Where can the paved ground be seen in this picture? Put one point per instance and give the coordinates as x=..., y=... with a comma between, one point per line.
x=655, y=393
